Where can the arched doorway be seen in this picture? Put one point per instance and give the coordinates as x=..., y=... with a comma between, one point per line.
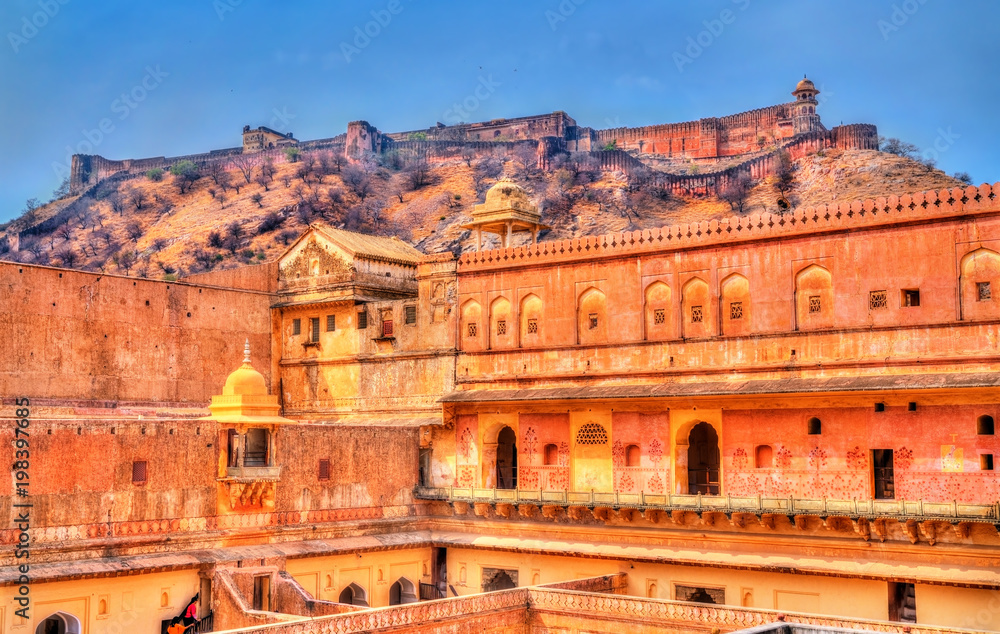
x=354, y=595
x=59, y=623
x=703, y=460
x=506, y=459
x=402, y=591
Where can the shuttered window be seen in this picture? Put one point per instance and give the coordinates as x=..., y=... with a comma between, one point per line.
x=314, y=329
x=139, y=472
x=409, y=315
x=362, y=320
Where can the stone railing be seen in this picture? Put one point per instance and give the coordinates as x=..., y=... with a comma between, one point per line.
x=674, y=613
x=401, y=617
x=806, y=220
x=901, y=510
x=56, y=535
x=583, y=600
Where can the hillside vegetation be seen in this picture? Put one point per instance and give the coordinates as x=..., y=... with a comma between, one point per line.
x=165, y=225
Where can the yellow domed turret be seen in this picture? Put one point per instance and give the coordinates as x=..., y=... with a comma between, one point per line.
x=805, y=84
x=245, y=380
x=506, y=194
x=506, y=210
x=805, y=90
x=244, y=398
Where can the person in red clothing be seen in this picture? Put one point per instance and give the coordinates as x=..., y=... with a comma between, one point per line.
x=191, y=612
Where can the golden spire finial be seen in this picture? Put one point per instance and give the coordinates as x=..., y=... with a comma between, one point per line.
x=246, y=352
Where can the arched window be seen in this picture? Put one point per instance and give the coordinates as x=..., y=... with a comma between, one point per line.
x=765, y=457
x=592, y=326
x=813, y=298
x=734, y=305
x=591, y=434
x=501, y=326
x=815, y=426
x=696, y=304
x=984, y=425
x=633, y=456
x=980, y=276
x=531, y=319
x=658, y=318
x=471, y=336
x=551, y=454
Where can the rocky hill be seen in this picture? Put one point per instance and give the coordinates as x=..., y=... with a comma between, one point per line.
x=148, y=226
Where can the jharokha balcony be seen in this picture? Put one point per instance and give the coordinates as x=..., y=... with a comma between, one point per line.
x=918, y=520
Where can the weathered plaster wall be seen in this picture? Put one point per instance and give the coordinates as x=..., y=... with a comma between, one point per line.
x=87, y=336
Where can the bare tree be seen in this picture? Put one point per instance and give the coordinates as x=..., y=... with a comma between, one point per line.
x=784, y=176
x=286, y=180
x=225, y=181
x=468, y=154
x=267, y=168
x=117, y=203
x=736, y=192
x=65, y=232
x=134, y=231
x=357, y=178
x=417, y=173
x=68, y=257
x=137, y=197
x=526, y=159
x=159, y=244
x=214, y=170
x=205, y=258
x=246, y=163
x=338, y=161
x=221, y=198
x=898, y=147
x=486, y=169
x=258, y=198
x=262, y=180
x=124, y=260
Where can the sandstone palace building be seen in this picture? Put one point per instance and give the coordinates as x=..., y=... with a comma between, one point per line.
x=717, y=426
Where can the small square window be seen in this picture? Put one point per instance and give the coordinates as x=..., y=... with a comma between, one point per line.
x=502, y=327
x=983, y=291
x=879, y=407
x=296, y=326
x=593, y=320
x=877, y=300
x=736, y=310
x=314, y=329
x=659, y=316
x=362, y=320
x=331, y=323
x=324, y=469
x=911, y=298
x=697, y=316
x=472, y=329
x=815, y=304
x=409, y=315
x=532, y=326
x=986, y=462
x=139, y=472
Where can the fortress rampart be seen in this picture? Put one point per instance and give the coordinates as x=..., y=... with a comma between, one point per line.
x=756, y=135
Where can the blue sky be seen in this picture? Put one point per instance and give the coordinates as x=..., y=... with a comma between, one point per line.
x=178, y=77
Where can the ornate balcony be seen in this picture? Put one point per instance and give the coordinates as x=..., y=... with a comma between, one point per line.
x=252, y=474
